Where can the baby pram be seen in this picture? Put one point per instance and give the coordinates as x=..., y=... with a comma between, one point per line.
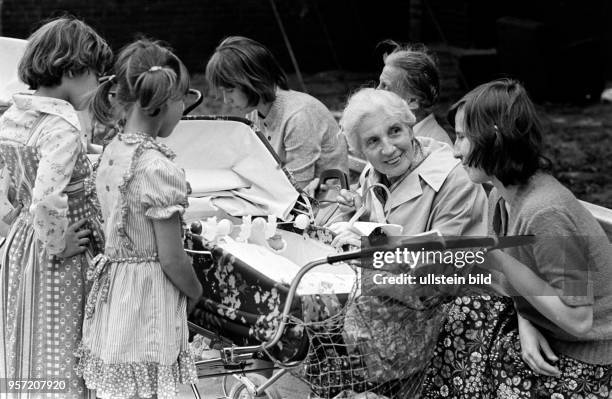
x=259, y=318
x=11, y=50
x=240, y=176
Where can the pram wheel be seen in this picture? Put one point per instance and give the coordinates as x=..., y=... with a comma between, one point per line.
x=240, y=390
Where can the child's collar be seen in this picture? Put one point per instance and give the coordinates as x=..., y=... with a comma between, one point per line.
x=137, y=137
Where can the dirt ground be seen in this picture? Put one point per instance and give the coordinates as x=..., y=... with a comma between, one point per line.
x=578, y=138
x=579, y=142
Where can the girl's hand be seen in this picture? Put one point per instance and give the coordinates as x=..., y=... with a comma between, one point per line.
x=192, y=303
x=533, y=345
x=349, y=201
x=311, y=188
x=76, y=239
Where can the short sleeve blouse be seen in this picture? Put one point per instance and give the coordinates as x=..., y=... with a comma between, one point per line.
x=164, y=189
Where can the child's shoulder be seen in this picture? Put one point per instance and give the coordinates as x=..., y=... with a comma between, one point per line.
x=143, y=150
x=18, y=123
x=140, y=157
x=151, y=156
x=50, y=111
x=159, y=176
x=152, y=160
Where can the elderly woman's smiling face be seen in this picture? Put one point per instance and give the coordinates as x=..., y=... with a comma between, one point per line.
x=387, y=143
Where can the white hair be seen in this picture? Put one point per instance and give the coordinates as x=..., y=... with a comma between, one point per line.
x=366, y=103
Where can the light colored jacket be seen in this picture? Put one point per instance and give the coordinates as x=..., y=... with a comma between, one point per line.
x=429, y=127
x=438, y=195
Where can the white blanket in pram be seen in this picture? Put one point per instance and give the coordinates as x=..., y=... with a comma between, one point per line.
x=283, y=266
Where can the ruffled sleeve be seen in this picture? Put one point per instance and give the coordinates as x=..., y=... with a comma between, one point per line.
x=164, y=189
x=58, y=148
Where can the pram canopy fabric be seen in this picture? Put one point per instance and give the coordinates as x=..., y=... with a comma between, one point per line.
x=226, y=161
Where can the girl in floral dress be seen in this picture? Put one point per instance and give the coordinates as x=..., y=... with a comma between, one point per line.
x=135, y=330
x=54, y=222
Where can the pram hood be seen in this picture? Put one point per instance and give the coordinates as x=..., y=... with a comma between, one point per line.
x=12, y=51
x=226, y=162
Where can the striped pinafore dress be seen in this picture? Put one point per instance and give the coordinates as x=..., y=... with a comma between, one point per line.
x=135, y=330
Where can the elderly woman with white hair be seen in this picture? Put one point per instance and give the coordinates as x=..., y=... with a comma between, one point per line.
x=425, y=189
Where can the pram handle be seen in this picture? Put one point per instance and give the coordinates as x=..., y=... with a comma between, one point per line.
x=198, y=101
x=218, y=118
x=334, y=174
x=437, y=243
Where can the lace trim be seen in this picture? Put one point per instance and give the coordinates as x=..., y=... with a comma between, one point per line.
x=138, y=138
x=144, y=142
x=165, y=212
x=144, y=379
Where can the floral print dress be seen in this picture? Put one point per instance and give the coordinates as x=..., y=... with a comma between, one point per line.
x=42, y=296
x=135, y=329
x=478, y=356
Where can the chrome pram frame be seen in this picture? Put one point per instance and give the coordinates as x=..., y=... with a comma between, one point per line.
x=234, y=358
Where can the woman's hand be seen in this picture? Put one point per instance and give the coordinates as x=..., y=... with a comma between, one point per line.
x=76, y=239
x=345, y=235
x=533, y=345
x=349, y=201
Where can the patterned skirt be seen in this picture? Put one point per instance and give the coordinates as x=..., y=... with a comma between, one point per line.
x=478, y=355
x=42, y=298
